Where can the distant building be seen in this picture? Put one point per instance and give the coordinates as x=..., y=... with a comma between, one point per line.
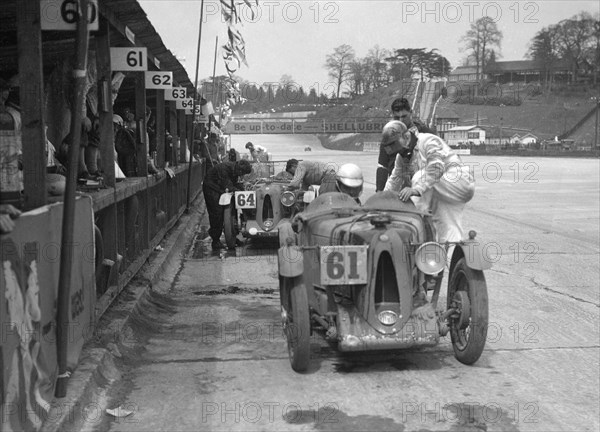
x=465, y=73
x=445, y=119
x=465, y=135
x=526, y=71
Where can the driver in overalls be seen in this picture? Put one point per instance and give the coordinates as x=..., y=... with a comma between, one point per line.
x=441, y=184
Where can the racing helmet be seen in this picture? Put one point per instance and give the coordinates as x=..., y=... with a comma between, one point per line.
x=396, y=137
x=350, y=180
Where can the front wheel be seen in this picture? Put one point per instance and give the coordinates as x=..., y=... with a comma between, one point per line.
x=296, y=321
x=229, y=226
x=467, y=293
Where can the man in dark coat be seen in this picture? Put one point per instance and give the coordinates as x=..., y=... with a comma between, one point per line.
x=223, y=176
x=401, y=110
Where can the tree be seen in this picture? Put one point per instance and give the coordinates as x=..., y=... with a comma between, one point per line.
x=376, y=68
x=338, y=65
x=358, y=76
x=574, y=38
x=543, y=48
x=480, y=39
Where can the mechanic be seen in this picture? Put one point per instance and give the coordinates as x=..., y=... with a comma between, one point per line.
x=442, y=183
x=222, y=177
x=349, y=180
x=308, y=173
x=402, y=111
x=258, y=153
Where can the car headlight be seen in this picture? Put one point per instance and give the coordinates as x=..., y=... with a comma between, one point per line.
x=288, y=198
x=430, y=258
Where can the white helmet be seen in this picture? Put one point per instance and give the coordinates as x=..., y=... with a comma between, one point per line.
x=351, y=175
x=350, y=179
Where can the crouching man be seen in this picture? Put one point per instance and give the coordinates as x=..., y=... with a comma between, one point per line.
x=441, y=184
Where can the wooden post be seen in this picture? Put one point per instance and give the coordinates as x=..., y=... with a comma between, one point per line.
x=182, y=135
x=29, y=41
x=160, y=128
x=174, y=132
x=140, y=117
x=105, y=108
x=107, y=148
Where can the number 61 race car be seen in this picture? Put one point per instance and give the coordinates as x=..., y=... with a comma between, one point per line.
x=371, y=276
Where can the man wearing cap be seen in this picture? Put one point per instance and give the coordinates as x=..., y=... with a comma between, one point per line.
x=442, y=183
x=401, y=110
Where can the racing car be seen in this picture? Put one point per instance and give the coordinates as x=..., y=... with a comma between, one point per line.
x=371, y=277
x=258, y=211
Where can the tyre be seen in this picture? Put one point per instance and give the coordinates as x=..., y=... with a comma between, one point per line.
x=467, y=291
x=229, y=226
x=296, y=321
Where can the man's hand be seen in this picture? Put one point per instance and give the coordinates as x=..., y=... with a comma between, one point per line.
x=406, y=193
x=10, y=210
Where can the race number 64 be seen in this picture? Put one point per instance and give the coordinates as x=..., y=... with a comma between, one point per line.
x=343, y=265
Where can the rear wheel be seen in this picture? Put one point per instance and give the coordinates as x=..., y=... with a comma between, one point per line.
x=229, y=226
x=296, y=321
x=467, y=293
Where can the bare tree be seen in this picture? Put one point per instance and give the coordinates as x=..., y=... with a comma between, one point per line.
x=480, y=39
x=377, y=75
x=338, y=65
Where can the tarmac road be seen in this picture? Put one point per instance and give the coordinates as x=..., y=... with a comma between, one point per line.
x=209, y=354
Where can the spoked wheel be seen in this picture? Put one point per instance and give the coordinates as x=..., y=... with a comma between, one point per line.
x=467, y=293
x=296, y=321
x=229, y=226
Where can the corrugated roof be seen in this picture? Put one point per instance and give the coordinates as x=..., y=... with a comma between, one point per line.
x=56, y=44
x=462, y=128
x=523, y=65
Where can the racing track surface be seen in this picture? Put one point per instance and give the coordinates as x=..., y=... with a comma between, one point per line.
x=211, y=355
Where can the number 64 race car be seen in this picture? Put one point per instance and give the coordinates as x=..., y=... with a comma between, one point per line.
x=371, y=276
x=258, y=211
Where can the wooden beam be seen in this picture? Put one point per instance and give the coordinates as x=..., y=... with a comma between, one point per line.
x=29, y=37
x=160, y=128
x=140, y=119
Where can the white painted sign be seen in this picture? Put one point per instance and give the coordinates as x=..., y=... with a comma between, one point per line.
x=129, y=59
x=187, y=103
x=63, y=14
x=160, y=80
x=176, y=93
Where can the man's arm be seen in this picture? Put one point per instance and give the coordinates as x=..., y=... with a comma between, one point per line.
x=394, y=182
x=434, y=169
x=298, y=176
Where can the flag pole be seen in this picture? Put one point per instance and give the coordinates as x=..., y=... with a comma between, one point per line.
x=196, y=102
x=214, y=101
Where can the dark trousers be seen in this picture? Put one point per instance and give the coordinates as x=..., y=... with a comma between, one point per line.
x=215, y=213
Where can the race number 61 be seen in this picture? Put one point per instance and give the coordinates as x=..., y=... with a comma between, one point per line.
x=343, y=265
x=64, y=14
x=129, y=59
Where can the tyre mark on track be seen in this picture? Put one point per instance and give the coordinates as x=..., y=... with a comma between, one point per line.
x=571, y=236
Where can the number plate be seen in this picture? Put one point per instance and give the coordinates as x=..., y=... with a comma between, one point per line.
x=63, y=14
x=245, y=200
x=129, y=59
x=176, y=93
x=343, y=265
x=159, y=80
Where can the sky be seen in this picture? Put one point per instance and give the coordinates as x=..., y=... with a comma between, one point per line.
x=294, y=37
